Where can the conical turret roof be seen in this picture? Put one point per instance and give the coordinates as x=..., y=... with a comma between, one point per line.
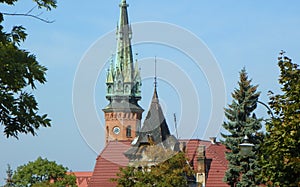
x=155, y=131
x=155, y=124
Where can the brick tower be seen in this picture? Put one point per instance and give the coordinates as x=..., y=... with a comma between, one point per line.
x=123, y=87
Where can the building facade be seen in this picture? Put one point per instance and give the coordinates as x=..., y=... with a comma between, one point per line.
x=126, y=139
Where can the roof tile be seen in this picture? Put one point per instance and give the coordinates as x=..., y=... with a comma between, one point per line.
x=112, y=158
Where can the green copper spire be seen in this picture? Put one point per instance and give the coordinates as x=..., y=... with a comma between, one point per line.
x=123, y=77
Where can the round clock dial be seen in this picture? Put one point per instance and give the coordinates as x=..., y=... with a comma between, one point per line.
x=116, y=130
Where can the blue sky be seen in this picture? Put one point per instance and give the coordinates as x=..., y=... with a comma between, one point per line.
x=238, y=33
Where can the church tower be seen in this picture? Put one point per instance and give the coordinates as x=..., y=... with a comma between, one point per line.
x=123, y=86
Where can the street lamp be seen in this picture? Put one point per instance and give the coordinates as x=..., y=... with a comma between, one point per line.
x=246, y=146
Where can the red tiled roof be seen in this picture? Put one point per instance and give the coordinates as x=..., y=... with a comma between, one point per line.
x=112, y=158
x=82, y=178
x=108, y=163
x=215, y=160
x=218, y=166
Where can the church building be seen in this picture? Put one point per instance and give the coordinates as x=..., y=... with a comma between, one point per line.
x=127, y=135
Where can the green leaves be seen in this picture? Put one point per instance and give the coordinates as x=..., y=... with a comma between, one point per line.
x=48, y=4
x=18, y=108
x=42, y=172
x=281, y=159
x=18, y=34
x=9, y=2
x=19, y=74
x=172, y=172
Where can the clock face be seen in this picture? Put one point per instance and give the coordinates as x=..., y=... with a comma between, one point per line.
x=116, y=130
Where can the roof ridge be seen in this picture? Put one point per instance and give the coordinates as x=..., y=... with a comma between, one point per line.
x=110, y=142
x=194, y=139
x=105, y=147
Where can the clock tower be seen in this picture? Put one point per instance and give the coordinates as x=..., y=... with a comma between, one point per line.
x=123, y=87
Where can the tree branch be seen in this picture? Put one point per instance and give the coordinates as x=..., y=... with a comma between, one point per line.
x=28, y=14
x=29, y=11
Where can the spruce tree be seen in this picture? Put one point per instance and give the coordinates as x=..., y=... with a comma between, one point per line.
x=9, y=173
x=241, y=121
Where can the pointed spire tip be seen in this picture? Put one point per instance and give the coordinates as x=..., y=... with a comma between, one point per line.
x=155, y=76
x=123, y=3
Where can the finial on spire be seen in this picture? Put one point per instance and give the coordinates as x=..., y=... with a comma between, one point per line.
x=155, y=76
x=123, y=3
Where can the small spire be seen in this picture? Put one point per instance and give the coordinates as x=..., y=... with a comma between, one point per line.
x=155, y=97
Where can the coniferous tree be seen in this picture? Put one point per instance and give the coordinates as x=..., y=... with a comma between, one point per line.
x=241, y=121
x=281, y=155
x=8, y=180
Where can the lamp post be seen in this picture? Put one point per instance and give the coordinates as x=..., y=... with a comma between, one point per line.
x=246, y=146
x=245, y=150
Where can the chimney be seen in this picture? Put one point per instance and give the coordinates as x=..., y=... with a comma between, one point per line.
x=213, y=140
x=201, y=165
x=201, y=151
x=182, y=146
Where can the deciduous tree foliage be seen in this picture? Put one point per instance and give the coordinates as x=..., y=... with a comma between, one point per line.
x=170, y=173
x=48, y=4
x=241, y=121
x=281, y=156
x=42, y=172
x=19, y=73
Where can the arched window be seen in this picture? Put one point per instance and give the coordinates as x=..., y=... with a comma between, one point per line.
x=128, y=132
x=126, y=89
x=119, y=85
x=107, y=134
